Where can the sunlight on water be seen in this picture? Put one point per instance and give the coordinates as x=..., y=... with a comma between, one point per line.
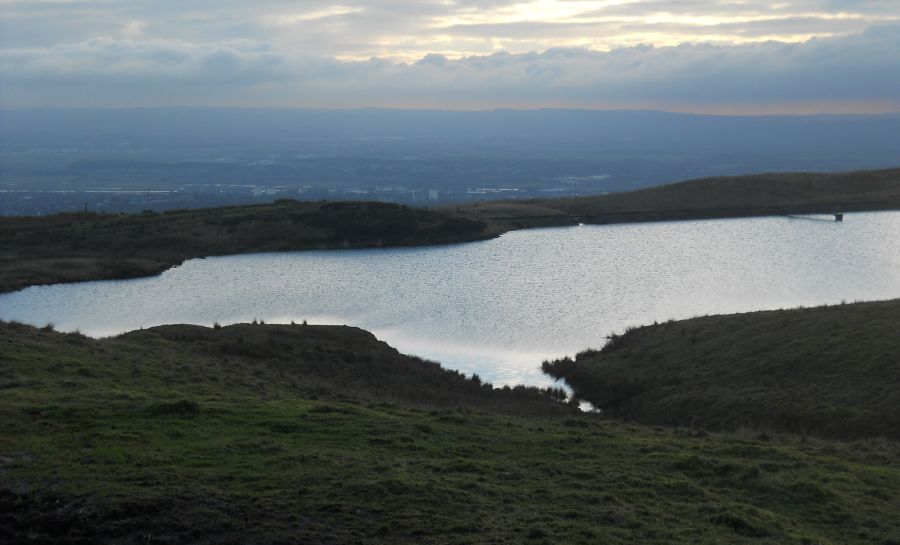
x=501, y=306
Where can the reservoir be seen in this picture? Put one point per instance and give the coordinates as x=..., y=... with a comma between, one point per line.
x=500, y=307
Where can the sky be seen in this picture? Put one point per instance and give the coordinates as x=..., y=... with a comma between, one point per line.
x=707, y=56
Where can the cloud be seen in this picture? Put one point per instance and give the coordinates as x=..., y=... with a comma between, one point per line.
x=407, y=29
x=858, y=69
x=120, y=61
x=133, y=29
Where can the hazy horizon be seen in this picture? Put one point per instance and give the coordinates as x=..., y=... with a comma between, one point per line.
x=439, y=109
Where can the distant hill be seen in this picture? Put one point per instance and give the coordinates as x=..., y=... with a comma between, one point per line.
x=77, y=247
x=831, y=371
x=652, y=136
x=841, y=191
x=734, y=196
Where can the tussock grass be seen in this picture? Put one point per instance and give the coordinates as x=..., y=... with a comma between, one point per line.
x=832, y=371
x=163, y=436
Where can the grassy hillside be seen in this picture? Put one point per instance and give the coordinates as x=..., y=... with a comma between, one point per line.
x=764, y=194
x=75, y=247
x=285, y=434
x=763, y=190
x=832, y=371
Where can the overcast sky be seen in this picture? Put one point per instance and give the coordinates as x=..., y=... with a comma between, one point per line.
x=737, y=56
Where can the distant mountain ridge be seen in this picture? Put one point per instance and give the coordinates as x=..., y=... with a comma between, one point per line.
x=583, y=129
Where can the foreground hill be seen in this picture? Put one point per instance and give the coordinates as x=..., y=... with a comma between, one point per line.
x=831, y=371
x=303, y=434
x=735, y=196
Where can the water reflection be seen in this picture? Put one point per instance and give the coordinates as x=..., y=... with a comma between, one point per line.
x=499, y=307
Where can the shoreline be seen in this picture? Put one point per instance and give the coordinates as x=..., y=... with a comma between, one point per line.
x=65, y=248
x=133, y=268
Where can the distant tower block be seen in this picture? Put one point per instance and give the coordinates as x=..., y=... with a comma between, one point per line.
x=432, y=195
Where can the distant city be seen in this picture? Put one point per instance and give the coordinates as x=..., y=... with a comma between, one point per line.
x=19, y=202
x=115, y=161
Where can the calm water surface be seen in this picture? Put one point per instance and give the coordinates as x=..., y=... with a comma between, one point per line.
x=500, y=307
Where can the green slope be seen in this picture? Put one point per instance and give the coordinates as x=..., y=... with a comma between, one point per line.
x=832, y=371
x=293, y=434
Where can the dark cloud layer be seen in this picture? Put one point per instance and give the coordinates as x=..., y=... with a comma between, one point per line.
x=864, y=67
x=464, y=54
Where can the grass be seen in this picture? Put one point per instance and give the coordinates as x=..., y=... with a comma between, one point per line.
x=309, y=434
x=831, y=371
x=173, y=435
